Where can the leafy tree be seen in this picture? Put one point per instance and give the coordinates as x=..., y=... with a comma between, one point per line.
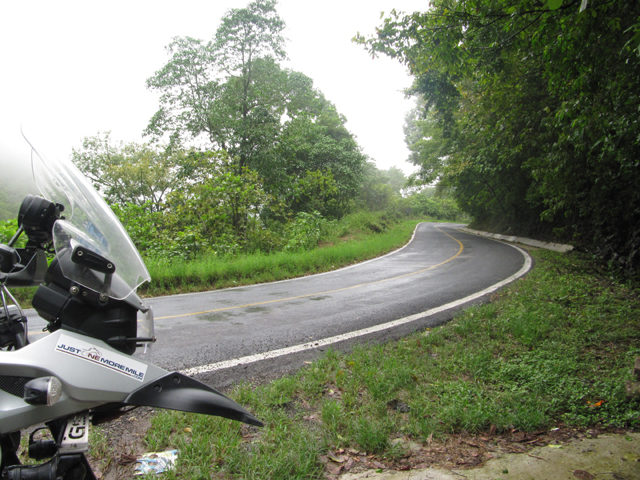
x=529, y=113
x=381, y=189
x=429, y=149
x=216, y=210
x=232, y=93
x=315, y=192
x=130, y=173
x=146, y=227
x=321, y=143
x=396, y=179
x=229, y=89
x=246, y=35
x=306, y=230
x=424, y=203
x=222, y=210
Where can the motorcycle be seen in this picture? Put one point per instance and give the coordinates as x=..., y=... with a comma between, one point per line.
x=83, y=371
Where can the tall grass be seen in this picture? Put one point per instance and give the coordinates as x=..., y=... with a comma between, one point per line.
x=357, y=238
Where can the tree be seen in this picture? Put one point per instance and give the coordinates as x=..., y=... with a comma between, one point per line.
x=424, y=138
x=396, y=179
x=320, y=143
x=222, y=210
x=230, y=89
x=246, y=48
x=213, y=209
x=189, y=93
x=232, y=93
x=130, y=173
x=536, y=105
x=381, y=189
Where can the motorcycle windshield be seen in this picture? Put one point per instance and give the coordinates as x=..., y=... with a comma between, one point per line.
x=89, y=222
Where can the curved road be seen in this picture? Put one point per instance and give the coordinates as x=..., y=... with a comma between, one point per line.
x=423, y=284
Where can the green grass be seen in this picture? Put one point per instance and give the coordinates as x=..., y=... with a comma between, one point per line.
x=553, y=349
x=211, y=272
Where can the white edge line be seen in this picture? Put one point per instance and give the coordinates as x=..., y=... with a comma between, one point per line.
x=212, y=367
x=393, y=252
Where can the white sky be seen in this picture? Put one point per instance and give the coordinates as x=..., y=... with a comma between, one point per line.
x=72, y=69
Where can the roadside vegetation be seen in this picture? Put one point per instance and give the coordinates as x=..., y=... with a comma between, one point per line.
x=551, y=351
x=313, y=246
x=525, y=123
x=354, y=239
x=528, y=108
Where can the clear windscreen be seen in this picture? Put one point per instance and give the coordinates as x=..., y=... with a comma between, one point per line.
x=89, y=222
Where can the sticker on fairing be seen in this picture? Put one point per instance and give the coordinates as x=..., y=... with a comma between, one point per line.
x=105, y=358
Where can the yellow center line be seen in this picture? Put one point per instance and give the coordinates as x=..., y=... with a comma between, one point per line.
x=325, y=292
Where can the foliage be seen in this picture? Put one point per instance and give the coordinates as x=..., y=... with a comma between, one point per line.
x=278, y=164
x=381, y=189
x=315, y=192
x=222, y=210
x=429, y=149
x=529, y=109
x=305, y=231
x=438, y=208
x=210, y=207
x=8, y=229
x=145, y=226
x=231, y=94
x=322, y=145
x=216, y=211
x=130, y=173
x=354, y=238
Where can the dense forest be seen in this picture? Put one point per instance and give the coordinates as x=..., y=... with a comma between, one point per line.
x=528, y=111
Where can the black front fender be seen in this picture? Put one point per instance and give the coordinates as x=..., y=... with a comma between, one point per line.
x=176, y=391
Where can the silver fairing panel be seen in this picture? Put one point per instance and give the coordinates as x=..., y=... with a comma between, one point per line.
x=92, y=373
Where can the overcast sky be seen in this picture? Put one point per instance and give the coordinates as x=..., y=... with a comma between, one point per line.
x=71, y=69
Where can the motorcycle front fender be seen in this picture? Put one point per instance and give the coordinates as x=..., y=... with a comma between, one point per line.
x=176, y=391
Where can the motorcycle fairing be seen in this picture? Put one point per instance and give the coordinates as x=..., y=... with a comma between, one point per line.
x=176, y=391
x=87, y=384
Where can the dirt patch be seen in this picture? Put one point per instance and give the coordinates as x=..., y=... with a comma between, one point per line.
x=457, y=452
x=119, y=444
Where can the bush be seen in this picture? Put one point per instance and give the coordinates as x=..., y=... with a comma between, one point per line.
x=8, y=229
x=305, y=231
x=438, y=208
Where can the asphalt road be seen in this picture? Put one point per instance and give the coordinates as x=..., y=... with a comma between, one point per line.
x=262, y=331
x=275, y=327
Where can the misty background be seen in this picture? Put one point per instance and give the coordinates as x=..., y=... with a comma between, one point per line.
x=74, y=68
